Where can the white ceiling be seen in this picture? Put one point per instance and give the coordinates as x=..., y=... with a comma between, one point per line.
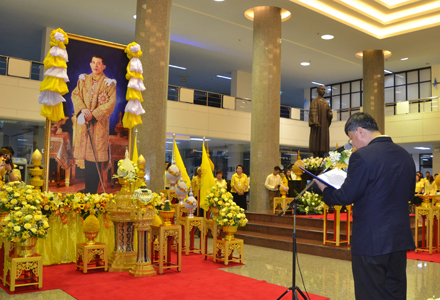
x=210, y=38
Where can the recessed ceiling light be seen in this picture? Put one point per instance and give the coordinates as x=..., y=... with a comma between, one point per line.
x=422, y=148
x=388, y=72
x=327, y=37
x=224, y=77
x=405, y=58
x=305, y=63
x=219, y=0
x=177, y=67
x=134, y=17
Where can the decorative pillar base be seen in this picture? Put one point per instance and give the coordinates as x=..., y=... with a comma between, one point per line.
x=143, y=270
x=122, y=261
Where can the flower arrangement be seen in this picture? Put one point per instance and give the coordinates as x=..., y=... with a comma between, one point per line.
x=15, y=195
x=24, y=223
x=143, y=194
x=311, y=203
x=130, y=173
x=158, y=200
x=218, y=197
x=232, y=215
x=315, y=163
x=339, y=159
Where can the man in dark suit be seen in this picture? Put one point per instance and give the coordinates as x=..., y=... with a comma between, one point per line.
x=380, y=183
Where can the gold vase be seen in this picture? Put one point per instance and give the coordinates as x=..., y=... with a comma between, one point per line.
x=3, y=216
x=26, y=248
x=91, y=237
x=229, y=230
x=214, y=211
x=166, y=216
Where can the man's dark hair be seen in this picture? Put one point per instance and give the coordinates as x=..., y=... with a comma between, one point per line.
x=277, y=169
x=99, y=56
x=362, y=120
x=9, y=148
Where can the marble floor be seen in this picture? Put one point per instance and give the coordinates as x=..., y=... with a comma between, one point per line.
x=322, y=276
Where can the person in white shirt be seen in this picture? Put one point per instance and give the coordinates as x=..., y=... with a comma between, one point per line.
x=273, y=182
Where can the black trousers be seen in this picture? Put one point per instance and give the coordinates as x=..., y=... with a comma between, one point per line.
x=381, y=277
x=92, y=176
x=240, y=200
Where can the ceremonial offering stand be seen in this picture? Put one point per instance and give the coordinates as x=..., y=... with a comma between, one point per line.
x=337, y=225
x=224, y=251
x=31, y=268
x=189, y=225
x=209, y=225
x=430, y=215
x=282, y=201
x=123, y=257
x=142, y=217
x=165, y=235
x=85, y=253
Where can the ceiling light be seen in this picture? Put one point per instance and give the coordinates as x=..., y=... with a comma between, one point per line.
x=134, y=17
x=405, y=58
x=177, y=67
x=422, y=148
x=317, y=83
x=305, y=63
x=219, y=0
x=285, y=14
x=199, y=139
x=327, y=37
x=388, y=72
x=224, y=77
x=386, y=54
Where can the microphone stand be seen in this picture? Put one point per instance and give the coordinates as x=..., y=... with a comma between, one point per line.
x=294, y=205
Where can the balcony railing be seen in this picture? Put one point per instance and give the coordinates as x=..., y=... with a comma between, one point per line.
x=10, y=66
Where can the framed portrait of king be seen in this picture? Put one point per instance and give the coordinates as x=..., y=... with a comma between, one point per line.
x=84, y=147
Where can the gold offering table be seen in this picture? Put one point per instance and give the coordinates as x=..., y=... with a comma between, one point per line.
x=28, y=270
x=165, y=236
x=189, y=225
x=224, y=250
x=87, y=253
x=283, y=202
x=429, y=213
x=337, y=225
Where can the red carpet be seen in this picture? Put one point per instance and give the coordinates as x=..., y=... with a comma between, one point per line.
x=424, y=256
x=199, y=279
x=329, y=217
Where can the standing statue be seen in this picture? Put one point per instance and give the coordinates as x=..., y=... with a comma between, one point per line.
x=320, y=118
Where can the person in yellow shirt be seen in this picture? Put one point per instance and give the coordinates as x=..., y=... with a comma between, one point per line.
x=430, y=186
x=221, y=183
x=239, y=187
x=7, y=168
x=196, y=182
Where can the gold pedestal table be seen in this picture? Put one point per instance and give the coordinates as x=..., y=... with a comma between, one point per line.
x=189, y=225
x=337, y=225
x=30, y=267
x=165, y=235
x=86, y=254
x=429, y=214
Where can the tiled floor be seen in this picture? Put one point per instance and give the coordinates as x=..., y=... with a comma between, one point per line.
x=323, y=276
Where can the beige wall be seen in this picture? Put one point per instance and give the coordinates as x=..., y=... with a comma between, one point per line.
x=19, y=99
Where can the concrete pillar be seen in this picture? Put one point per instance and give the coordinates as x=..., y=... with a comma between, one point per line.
x=266, y=84
x=153, y=19
x=374, y=94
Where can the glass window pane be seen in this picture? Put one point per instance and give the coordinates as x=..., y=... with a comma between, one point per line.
x=336, y=102
x=400, y=78
x=425, y=89
x=356, y=86
x=389, y=80
x=314, y=93
x=345, y=115
x=328, y=101
x=414, y=107
x=400, y=93
x=328, y=91
x=389, y=95
x=425, y=75
x=413, y=77
x=413, y=91
x=336, y=115
x=345, y=88
x=336, y=89
x=389, y=111
x=345, y=101
x=355, y=99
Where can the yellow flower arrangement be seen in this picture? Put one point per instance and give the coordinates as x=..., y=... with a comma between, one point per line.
x=158, y=200
x=25, y=223
x=218, y=197
x=232, y=215
x=15, y=195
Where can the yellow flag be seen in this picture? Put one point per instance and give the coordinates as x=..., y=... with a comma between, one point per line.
x=181, y=165
x=135, y=150
x=207, y=181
